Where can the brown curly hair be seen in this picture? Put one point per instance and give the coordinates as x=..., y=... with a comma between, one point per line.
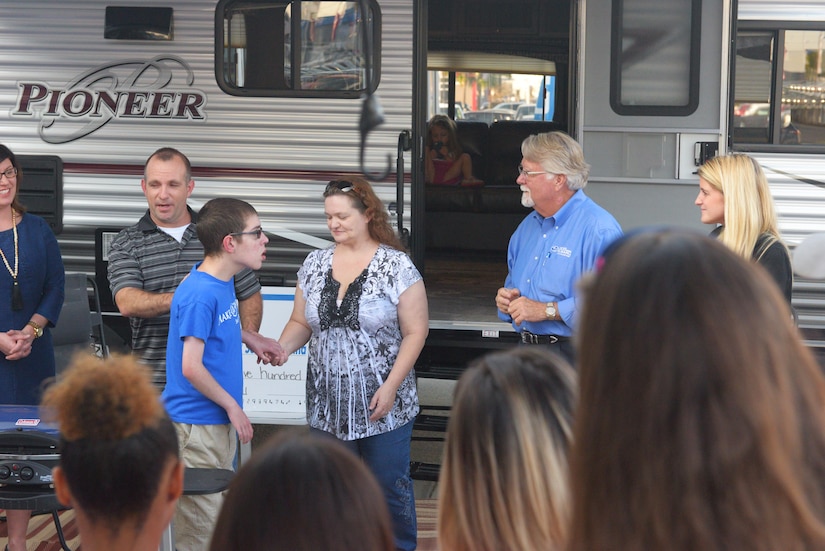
x=104, y=400
x=114, y=436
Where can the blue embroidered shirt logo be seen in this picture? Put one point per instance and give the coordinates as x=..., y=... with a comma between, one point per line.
x=561, y=251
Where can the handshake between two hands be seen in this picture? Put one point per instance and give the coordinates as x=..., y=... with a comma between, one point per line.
x=269, y=351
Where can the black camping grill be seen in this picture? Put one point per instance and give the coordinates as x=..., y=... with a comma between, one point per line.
x=27, y=457
x=26, y=461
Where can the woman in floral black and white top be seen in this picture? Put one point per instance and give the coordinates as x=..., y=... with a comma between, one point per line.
x=362, y=306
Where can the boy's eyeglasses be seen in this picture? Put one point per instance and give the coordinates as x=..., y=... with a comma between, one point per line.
x=257, y=233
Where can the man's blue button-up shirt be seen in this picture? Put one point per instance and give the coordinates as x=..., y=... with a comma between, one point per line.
x=547, y=256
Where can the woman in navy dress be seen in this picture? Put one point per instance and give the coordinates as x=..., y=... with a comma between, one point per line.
x=31, y=296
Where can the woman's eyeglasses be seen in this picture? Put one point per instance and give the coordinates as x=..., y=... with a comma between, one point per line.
x=9, y=173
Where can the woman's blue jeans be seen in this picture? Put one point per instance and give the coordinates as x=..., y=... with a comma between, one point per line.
x=388, y=457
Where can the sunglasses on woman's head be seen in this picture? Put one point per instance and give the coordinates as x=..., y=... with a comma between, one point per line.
x=341, y=185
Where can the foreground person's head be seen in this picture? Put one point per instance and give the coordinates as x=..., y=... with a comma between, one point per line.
x=302, y=492
x=504, y=482
x=701, y=420
x=119, y=466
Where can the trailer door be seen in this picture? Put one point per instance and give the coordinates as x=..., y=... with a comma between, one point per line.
x=652, y=97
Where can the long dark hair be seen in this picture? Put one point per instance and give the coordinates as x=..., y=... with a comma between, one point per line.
x=701, y=418
x=302, y=492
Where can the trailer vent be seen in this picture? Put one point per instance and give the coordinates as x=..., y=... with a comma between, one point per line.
x=41, y=191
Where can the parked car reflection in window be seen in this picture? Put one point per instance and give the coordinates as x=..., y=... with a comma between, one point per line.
x=490, y=115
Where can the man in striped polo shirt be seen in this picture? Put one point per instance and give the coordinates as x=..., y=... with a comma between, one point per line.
x=148, y=260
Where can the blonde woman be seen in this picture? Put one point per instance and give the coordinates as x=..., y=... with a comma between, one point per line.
x=734, y=193
x=504, y=484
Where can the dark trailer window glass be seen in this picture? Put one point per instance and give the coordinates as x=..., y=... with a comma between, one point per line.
x=266, y=48
x=753, y=87
x=138, y=23
x=655, y=57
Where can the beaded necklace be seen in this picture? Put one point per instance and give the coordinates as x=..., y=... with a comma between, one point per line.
x=16, y=296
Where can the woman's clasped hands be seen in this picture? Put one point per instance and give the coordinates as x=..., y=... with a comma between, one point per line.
x=16, y=344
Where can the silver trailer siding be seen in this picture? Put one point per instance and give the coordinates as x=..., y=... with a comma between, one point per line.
x=784, y=10
x=797, y=179
x=276, y=153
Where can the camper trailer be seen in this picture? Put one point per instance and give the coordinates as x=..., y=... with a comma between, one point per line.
x=267, y=98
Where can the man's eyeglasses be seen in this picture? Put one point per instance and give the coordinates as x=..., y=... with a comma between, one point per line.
x=257, y=233
x=523, y=172
x=341, y=185
x=9, y=173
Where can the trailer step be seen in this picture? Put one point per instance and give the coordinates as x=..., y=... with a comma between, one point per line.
x=424, y=471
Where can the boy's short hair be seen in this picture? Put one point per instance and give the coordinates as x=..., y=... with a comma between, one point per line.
x=219, y=218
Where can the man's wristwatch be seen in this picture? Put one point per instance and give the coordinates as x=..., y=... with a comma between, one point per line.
x=550, y=311
x=38, y=331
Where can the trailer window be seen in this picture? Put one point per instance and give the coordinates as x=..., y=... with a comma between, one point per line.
x=491, y=97
x=779, y=100
x=299, y=48
x=655, y=57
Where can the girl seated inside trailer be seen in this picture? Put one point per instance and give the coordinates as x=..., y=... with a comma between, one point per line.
x=445, y=162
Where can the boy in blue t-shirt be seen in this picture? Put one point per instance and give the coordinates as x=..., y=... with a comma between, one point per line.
x=204, y=355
